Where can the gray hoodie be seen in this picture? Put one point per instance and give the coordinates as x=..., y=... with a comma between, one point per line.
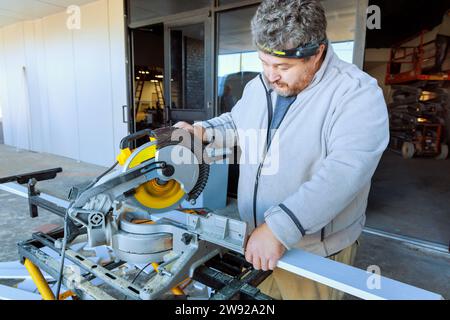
x=311, y=185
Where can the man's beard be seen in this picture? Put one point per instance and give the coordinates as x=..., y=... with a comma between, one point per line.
x=283, y=90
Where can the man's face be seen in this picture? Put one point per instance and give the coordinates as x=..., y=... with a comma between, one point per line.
x=289, y=76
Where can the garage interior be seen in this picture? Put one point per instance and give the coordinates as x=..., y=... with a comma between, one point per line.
x=407, y=232
x=407, y=190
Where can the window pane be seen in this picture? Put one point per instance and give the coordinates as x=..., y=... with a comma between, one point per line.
x=341, y=20
x=238, y=61
x=148, y=58
x=188, y=67
x=344, y=50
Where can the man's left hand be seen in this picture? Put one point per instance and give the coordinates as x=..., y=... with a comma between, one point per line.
x=263, y=248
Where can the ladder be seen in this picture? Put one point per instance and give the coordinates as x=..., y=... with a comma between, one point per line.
x=159, y=94
x=138, y=94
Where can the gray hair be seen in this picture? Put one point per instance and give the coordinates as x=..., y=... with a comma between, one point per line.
x=287, y=24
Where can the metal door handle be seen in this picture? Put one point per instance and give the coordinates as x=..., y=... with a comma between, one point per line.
x=123, y=113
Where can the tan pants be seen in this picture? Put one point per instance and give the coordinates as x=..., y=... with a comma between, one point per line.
x=284, y=285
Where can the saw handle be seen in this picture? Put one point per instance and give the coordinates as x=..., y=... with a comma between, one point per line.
x=126, y=141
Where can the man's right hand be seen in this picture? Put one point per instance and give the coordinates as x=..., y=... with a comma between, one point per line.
x=197, y=131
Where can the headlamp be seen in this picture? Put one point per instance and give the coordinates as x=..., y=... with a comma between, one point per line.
x=298, y=53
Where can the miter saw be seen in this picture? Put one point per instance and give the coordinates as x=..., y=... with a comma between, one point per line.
x=135, y=210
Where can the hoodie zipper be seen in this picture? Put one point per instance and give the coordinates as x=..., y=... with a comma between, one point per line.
x=266, y=148
x=255, y=191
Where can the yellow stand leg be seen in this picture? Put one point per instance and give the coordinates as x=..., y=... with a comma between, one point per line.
x=39, y=281
x=177, y=290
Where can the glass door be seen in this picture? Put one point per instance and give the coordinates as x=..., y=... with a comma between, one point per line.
x=188, y=70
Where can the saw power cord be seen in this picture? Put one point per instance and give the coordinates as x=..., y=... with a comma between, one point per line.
x=63, y=256
x=139, y=273
x=102, y=175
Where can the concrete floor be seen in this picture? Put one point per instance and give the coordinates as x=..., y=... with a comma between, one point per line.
x=399, y=261
x=411, y=197
x=16, y=224
x=427, y=270
x=14, y=161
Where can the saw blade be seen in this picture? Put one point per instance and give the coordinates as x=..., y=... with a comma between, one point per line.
x=162, y=195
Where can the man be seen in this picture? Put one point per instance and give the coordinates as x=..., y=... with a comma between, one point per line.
x=328, y=126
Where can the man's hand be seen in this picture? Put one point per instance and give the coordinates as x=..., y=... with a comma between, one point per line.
x=263, y=248
x=197, y=131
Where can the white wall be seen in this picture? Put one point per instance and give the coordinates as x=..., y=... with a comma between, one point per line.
x=61, y=90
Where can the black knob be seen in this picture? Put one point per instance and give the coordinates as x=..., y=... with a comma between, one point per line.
x=168, y=171
x=186, y=238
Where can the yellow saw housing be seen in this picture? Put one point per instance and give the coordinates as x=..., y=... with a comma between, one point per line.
x=152, y=194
